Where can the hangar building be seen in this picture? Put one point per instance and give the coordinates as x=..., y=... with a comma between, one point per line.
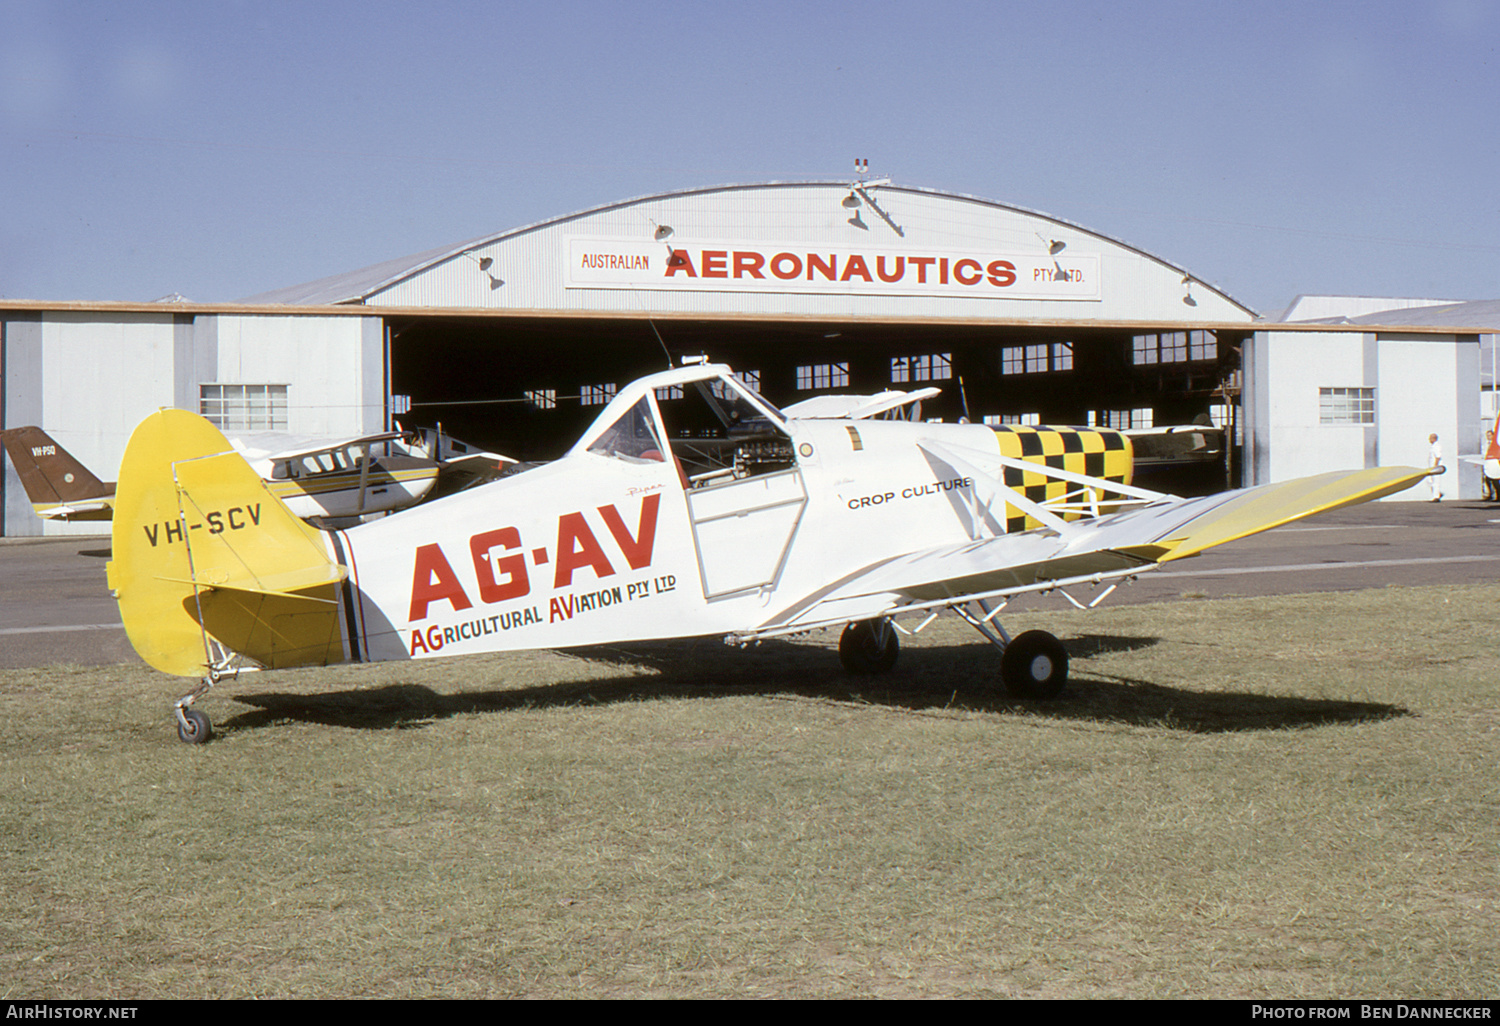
x=513, y=340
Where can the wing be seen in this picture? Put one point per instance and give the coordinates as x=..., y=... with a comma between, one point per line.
x=277, y=446
x=855, y=407
x=1063, y=553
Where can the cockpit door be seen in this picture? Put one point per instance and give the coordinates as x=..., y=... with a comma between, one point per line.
x=744, y=528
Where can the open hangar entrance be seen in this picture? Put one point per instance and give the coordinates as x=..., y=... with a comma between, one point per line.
x=528, y=385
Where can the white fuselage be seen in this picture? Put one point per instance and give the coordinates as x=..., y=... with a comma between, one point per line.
x=594, y=548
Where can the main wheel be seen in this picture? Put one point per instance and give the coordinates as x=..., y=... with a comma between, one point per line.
x=869, y=646
x=197, y=730
x=1034, y=665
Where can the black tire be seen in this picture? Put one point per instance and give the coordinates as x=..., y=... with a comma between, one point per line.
x=198, y=729
x=1034, y=665
x=869, y=647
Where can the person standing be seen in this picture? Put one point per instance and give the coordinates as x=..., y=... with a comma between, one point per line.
x=1435, y=461
x=1492, y=466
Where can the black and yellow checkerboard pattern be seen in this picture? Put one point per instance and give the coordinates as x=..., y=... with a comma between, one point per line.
x=1098, y=453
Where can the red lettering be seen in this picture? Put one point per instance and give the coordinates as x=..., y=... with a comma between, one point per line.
x=921, y=264
x=512, y=567
x=748, y=264
x=959, y=268
x=1002, y=273
x=417, y=642
x=829, y=270
x=577, y=547
x=433, y=579
x=943, y=271
x=900, y=269
x=715, y=263
x=856, y=265
x=637, y=550
x=680, y=263
x=780, y=261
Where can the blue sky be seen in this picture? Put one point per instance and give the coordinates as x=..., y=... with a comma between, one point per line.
x=223, y=149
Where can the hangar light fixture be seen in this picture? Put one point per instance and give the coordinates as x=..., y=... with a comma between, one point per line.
x=663, y=232
x=485, y=263
x=859, y=195
x=1187, y=286
x=1054, y=246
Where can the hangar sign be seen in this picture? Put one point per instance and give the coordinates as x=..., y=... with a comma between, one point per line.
x=868, y=271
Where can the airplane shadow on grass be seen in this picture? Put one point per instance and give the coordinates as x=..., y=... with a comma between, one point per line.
x=925, y=681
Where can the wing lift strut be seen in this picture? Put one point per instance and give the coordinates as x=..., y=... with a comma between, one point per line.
x=1033, y=664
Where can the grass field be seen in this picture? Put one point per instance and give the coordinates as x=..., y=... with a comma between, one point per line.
x=1279, y=798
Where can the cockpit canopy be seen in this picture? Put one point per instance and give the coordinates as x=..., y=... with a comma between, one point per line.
x=713, y=425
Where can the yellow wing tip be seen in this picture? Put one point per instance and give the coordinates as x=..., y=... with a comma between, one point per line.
x=1274, y=505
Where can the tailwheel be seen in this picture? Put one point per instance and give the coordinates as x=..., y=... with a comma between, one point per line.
x=1034, y=665
x=869, y=646
x=193, y=727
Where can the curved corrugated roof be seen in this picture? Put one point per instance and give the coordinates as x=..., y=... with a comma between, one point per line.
x=358, y=286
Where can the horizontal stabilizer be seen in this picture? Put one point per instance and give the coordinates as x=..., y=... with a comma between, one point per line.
x=290, y=584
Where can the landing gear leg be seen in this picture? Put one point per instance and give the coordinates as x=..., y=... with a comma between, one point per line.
x=1032, y=665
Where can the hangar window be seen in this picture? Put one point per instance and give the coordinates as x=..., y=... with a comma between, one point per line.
x=1030, y=419
x=597, y=395
x=1223, y=416
x=1121, y=420
x=932, y=367
x=823, y=375
x=244, y=407
x=542, y=398
x=1036, y=359
x=669, y=392
x=1346, y=406
x=750, y=379
x=1174, y=347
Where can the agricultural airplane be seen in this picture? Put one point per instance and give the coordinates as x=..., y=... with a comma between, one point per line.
x=690, y=507
x=317, y=478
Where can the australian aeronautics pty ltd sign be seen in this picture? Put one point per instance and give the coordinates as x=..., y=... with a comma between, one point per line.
x=767, y=267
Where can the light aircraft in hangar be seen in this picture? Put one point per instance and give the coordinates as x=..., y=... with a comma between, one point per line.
x=690, y=507
x=320, y=479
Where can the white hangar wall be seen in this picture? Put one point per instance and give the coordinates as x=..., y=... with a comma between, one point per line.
x=1317, y=401
x=794, y=249
x=333, y=366
x=88, y=378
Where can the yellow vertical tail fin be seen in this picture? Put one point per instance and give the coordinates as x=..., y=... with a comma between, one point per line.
x=206, y=559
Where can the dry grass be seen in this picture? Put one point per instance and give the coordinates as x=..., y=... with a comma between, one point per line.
x=1249, y=798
